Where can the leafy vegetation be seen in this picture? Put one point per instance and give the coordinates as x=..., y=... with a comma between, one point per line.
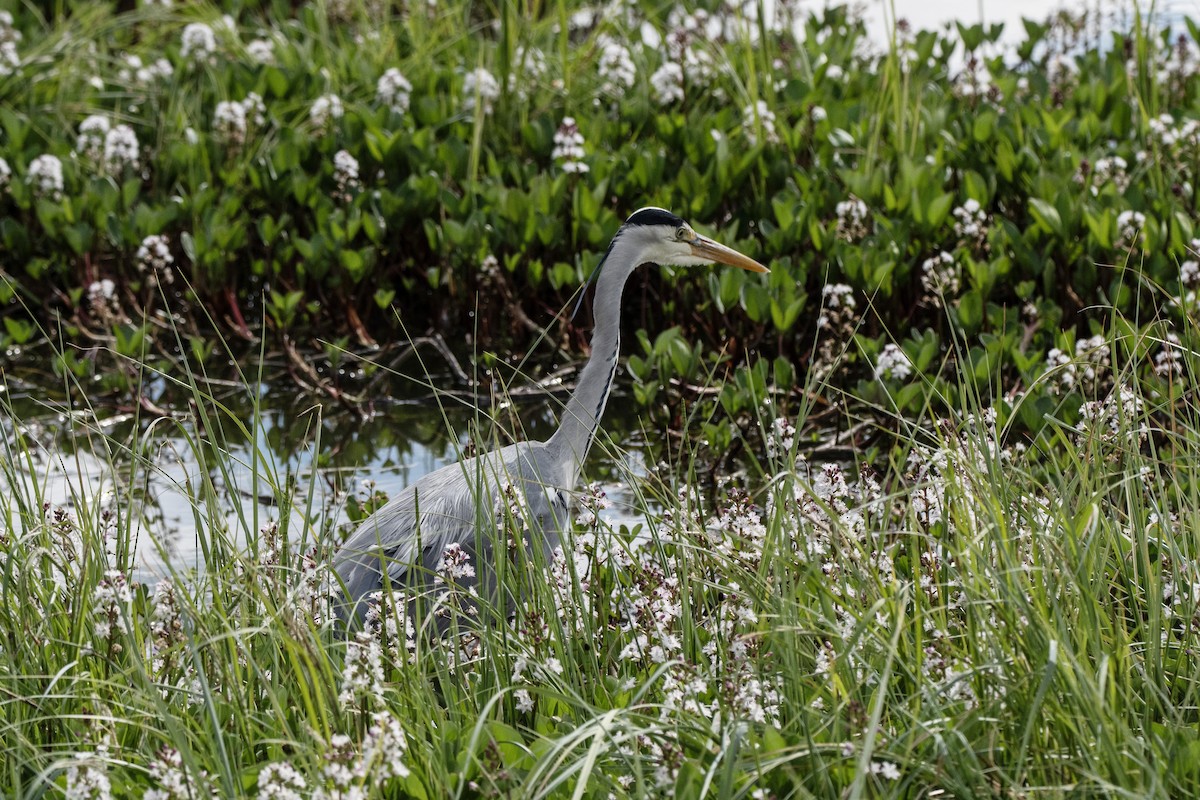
x=325, y=168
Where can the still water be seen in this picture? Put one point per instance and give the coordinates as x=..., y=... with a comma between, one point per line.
x=250, y=442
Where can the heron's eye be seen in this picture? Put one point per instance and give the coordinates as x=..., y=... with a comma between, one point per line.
x=681, y=234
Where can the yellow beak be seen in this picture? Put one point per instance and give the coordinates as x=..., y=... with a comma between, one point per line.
x=703, y=247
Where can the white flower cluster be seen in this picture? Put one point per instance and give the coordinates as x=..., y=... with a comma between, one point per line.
x=759, y=117
x=568, y=147
x=1116, y=420
x=940, y=277
x=1088, y=370
x=592, y=501
x=325, y=110
x=892, y=364
x=975, y=82
x=971, y=223
x=852, y=217
x=1111, y=169
x=837, y=307
x=1129, y=228
x=1180, y=141
x=345, y=174
x=154, y=254
x=137, y=73
x=781, y=438
x=394, y=91
x=529, y=69
x=90, y=142
x=454, y=566
x=166, y=625
x=261, y=51
x=281, y=781
x=1168, y=361
x=667, y=84
x=198, y=43
x=46, y=176
x=233, y=120
x=171, y=779
x=481, y=88
x=87, y=777
x=10, y=59
x=362, y=673
x=120, y=150
x=110, y=606
x=615, y=67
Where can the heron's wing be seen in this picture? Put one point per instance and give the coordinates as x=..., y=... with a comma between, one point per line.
x=424, y=519
x=442, y=508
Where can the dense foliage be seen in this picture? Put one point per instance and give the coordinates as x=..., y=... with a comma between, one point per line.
x=324, y=165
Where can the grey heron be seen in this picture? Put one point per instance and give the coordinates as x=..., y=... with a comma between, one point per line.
x=403, y=542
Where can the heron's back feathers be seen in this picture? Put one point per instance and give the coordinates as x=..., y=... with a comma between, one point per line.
x=462, y=503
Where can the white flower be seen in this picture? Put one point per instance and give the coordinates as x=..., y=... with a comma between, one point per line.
x=232, y=120
x=229, y=122
x=87, y=779
x=480, y=86
x=528, y=69
x=615, y=66
x=852, y=217
x=892, y=364
x=970, y=222
x=90, y=142
x=281, y=781
x=46, y=176
x=940, y=277
x=135, y=71
x=1111, y=169
x=345, y=172
x=455, y=564
x=886, y=770
x=384, y=746
x=5, y=173
x=199, y=43
x=1129, y=227
x=120, y=149
x=568, y=146
x=393, y=90
x=758, y=116
x=325, y=109
x=781, y=437
x=362, y=675
x=818, y=114
x=10, y=60
x=667, y=82
x=837, y=306
x=7, y=32
x=261, y=51
x=154, y=254
x=524, y=701
x=172, y=781
x=256, y=110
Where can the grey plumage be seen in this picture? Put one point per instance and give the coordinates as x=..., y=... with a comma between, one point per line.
x=462, y=503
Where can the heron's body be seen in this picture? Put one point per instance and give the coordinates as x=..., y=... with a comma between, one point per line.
x=403, y=542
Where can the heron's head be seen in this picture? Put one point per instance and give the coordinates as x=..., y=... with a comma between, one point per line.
x=663, y=238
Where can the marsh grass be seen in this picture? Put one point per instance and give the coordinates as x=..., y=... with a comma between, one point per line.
x=979, y=618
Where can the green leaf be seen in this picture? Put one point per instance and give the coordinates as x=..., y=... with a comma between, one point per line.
x=1046, y=215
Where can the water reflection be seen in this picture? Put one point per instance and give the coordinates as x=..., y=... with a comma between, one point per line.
x=228, y=462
